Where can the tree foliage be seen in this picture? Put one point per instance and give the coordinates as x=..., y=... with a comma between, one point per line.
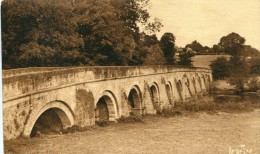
x=215, y=49
x=255, y=66
x=154, y=55
x=104, y=37
x=239, y=73
x=232, y=44
x=195, y=46
x=185, y=57
x=39, y=33
x=167, y=44
x=74, y=32
x=219, y=68
x=242, y=64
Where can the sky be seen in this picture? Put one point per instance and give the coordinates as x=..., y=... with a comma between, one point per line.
x=208, y=20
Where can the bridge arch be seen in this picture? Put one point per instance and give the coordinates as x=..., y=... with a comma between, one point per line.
x=169, y=92
x=203, y=81
x=135, y=97
x=179, y=88
x=185, y=79
x=186, y=86
x=58, y=110
x=194, y=84
x=199, y=81
x=207, y=81
x=155, y=93
x=106, y=108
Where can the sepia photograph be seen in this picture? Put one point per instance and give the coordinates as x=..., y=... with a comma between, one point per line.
x=130, y=77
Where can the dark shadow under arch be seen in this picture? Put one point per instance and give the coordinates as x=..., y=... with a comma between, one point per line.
x=155, y=96
x=135, y=97
x=106, y=107
x=53, y=120
x=169, y=92
x=135, y=101
x=55, y=115
x=179, y=88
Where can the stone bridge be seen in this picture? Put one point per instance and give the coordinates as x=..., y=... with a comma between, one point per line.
x=83, y=95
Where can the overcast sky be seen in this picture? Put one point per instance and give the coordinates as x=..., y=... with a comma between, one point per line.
x=208, y=20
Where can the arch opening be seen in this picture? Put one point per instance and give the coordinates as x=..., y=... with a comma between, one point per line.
x=169, y=92
x=194, y=85
x=155, y=94
x=135, y=101
x=51, y=121
x=188, y=86
x=206, y=79
x=105, y=109
x=200, y=83
x=179, y=88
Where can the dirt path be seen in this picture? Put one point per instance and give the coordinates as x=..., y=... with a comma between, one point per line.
x=200, y=133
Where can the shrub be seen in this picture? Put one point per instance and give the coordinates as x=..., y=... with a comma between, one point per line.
x=220, y=68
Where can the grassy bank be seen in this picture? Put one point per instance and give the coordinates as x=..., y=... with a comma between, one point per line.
x=208, y=104
x=196, y=133
x=215, y=104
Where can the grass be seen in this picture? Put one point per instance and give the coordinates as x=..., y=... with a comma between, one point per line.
x=202, y=133
x=229, y=104
x=205, y=60
x=12, y=146
x=212, y=105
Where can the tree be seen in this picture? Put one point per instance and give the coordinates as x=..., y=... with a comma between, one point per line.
x=219, y=68
x=239, y=68
x=167, y=44
x=195, y=46
x=106, y=42
x=40, y=33
x=215, y=49
x=239, y=71
x=185, y=57
x=149, y=40
x=205, y=49
x=73, y=32
x=232, y=44
x=255, y=65
x=253, y=57
x=153, y=56
x=250, y=52
x=148, y=51
x=134, y=13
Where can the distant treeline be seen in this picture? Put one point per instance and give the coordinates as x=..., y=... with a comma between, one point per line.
x=218, y=49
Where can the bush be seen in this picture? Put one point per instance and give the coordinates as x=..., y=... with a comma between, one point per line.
x=220, y=68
